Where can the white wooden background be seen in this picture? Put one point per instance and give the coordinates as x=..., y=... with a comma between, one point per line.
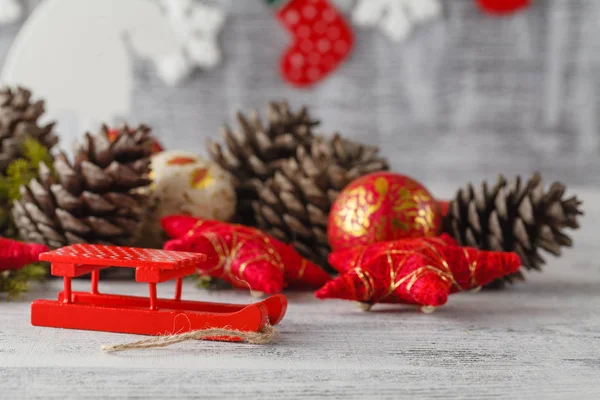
x=467, y=96
x=536, y=340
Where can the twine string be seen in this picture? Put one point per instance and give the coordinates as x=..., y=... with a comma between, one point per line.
x=262, y=337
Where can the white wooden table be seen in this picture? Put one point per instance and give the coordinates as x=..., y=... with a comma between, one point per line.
x=540, y=339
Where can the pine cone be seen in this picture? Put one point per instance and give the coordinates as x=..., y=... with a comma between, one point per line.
x=514, y=217
x=257, y=151
x=294, y=205
x=18, y=121
x=99, y=198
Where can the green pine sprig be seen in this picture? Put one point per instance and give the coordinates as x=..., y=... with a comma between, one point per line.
x=209, y=283
x=15, y=283
x=24, y=169
x=36, y=153
x=20, y=172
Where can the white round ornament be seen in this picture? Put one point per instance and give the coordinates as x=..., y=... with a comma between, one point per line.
x=185, y=183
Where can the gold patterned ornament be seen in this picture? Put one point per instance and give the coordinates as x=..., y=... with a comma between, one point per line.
x=185, y=183
x=379, y=207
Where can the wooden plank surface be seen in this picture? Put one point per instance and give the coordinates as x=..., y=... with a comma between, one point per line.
x=540, y=339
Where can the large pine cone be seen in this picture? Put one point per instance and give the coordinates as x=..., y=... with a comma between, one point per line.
x=99, y=198
x=19, y=121
x=256, y=151
x=294, y=205
x=518, y=217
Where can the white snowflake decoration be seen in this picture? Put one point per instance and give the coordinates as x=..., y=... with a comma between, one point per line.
x=196, y=26
x=395, y=17
x=10, y=11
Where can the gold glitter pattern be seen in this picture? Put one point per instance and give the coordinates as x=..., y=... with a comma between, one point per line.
x=387, y=208
x=355, y=216
x=472, y=268
x=302, y=269
x=416, y=204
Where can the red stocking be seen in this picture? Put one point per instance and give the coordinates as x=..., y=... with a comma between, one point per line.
x=321, y=41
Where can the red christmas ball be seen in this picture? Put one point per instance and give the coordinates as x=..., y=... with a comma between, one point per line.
x=379, y=207
x=503, y=6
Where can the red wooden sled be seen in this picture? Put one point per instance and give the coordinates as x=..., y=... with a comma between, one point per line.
x=140, y=315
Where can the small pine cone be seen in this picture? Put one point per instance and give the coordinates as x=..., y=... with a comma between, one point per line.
x=257, y=150
x=518, y=217
x=100, y=198
x=294, y=204
x=19, y=121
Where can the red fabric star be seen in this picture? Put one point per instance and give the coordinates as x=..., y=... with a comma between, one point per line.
x=421, y=271
x=243, y=256
x=16, y=255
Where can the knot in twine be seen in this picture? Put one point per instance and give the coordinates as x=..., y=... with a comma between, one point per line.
x=262, y=337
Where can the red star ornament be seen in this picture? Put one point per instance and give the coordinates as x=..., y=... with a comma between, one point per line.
x=178, y=226
x=421, y=271
x=243, y=256
x=15, y=255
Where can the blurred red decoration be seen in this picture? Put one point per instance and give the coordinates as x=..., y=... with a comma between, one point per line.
x=503, y=6
x=422, y=271
x=246, y=257
x=15, y=255
x=322, y=39
x=444, y=206
x=379, y=207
